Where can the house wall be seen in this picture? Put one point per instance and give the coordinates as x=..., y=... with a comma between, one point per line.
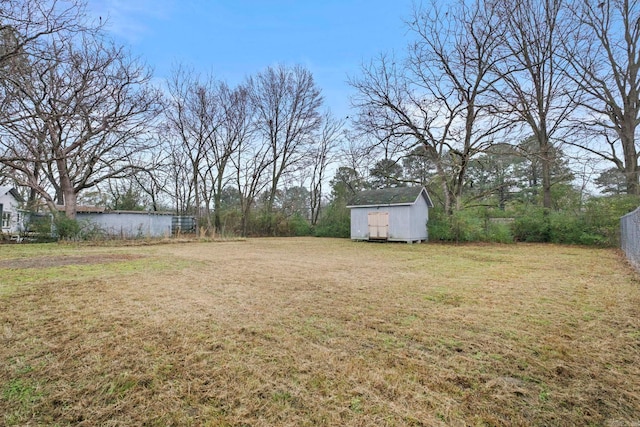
x=10, y=206
x=406, y=223
x=130, y=225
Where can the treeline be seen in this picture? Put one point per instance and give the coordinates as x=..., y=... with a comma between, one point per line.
x=511, y=114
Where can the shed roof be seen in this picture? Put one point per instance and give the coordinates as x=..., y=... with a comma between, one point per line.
x=390, y=197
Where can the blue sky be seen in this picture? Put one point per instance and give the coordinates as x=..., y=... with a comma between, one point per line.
x=237, y=38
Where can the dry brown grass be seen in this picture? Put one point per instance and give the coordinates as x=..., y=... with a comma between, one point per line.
x=302, y=332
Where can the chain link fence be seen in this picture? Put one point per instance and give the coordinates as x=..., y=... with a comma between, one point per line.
x=630, y=237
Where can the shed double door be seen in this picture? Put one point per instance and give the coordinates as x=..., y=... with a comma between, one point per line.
x=378, y=225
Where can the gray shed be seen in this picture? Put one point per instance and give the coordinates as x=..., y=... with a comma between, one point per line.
x=390, y=214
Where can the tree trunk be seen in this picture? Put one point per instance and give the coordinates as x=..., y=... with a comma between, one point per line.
x=217, y=205
x=66, y=190
x=546, y=178
x=245, y=219
x=546, y=157
x=197, y=200
x=446, y=191
x=70, y=205
x=630, y=164
x=547, y=161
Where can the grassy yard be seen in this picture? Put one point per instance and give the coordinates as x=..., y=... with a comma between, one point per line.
x=305, y=332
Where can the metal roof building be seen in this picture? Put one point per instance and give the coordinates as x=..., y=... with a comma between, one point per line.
x=125, y=224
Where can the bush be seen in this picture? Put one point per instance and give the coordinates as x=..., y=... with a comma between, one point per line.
x=66, y=228
x=602, y=217
x=471, y=225
x=40, y=227
x=464, y=226
x=532, y=226
x=499, y=233
x=300, y=226
x=335, y=221
x=271, y=224
x=564, y=228
x=535, y=225
x=91, y=231
x=596, y=224
x=231, y=222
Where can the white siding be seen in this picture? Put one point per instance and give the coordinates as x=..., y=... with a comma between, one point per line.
x=11, y=219
x=406, y=222
x=130, y=225
x=359, y=223
x=419, y=219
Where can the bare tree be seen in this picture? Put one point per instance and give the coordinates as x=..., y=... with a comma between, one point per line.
x=602, y=59
x=179, y=175
x=535, y=92
x=192, y=117
x=152, y=176
x=322, y=154
x=439, y=98
x=251, y=162
x=77, y=118
x=25, y=27
x=26, y=24
x=234, y=130
x=211, y=120
x=287, y=103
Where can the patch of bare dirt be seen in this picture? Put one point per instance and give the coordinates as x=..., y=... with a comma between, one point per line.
x=60, y=261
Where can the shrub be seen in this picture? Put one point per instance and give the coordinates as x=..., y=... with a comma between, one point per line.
x=335, y=221
x=465, y=226
x=91, y=231
x=66, y=228
x=40, y=227
x=299, y=225
x=471, y=225
x=231, y=222
x=267, y=224
x=532, y=226
x=597, y=223
x=565, y=228
x=602, y=217
x=499, y=233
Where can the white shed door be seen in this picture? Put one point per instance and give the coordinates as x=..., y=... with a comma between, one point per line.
x=378, y=225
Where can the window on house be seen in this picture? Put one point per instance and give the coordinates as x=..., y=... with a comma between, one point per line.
x=6, y=219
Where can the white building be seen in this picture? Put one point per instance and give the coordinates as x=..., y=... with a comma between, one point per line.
x=10, y=212
x=391, y=214
x=125, y=224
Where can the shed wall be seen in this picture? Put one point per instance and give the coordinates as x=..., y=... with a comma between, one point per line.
x=400, y=223
x=406, y=223
x=419, y=219
x=130, y=225
x=359, y=223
